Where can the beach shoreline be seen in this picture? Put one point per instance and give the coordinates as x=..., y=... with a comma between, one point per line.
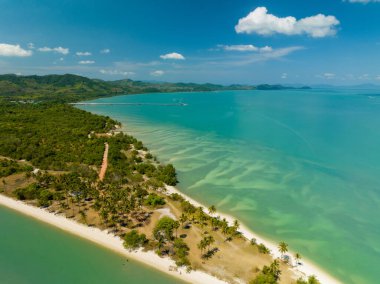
x=108, y=241
x=305, y=270
x=149, y=258
x=308, y=268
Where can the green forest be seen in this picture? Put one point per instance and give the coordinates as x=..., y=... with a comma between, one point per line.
x=51, y=154
x=74, y=88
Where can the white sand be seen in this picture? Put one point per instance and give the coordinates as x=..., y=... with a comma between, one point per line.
x=166, y=212
x=109, y=241
x=150, y=258
x=306, y=269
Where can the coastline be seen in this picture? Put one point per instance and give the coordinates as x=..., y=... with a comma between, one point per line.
x=149, y=258
x=306, y=269
x=108, y=241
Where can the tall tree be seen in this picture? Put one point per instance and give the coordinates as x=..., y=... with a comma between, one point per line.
x=283, y=248
x=297, y=258
x=212, y=209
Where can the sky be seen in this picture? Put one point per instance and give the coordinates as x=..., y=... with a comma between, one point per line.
x=218, y=41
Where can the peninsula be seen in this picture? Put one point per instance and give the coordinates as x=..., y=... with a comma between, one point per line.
x=78, y=171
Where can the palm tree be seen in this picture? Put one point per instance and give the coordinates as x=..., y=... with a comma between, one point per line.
x=176, y=226
x=313, y=280
x=297, y=258
x=283, y=248
x=224, y=225
x=183, y=218
x=275, y=269
x=209, y=241
x=236, y=224
x=202, y=245
x=215, y=222
x=212, y=209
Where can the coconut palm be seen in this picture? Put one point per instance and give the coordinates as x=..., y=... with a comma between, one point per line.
x=212, y=209
x=209, y=241
x=202, y=245
x=215, y=222
x=297, y=258
x=176, y=226
x=275, y=269
x=313, y=280
x=183, y=218
x=236, y=224
x=224, y=225
x=283, y=248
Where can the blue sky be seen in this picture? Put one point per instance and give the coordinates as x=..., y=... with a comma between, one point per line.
x=218, y=41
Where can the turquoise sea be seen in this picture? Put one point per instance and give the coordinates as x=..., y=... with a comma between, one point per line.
x=300, y=166
x=32, y=252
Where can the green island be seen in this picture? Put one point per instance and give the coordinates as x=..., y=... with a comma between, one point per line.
x=53, y=156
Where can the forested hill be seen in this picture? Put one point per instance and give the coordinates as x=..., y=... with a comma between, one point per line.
x=164, y=87
x=71, y=88
x=57, y=88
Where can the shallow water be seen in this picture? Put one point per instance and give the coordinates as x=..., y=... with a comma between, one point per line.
x=32, y=252
x=298, y=166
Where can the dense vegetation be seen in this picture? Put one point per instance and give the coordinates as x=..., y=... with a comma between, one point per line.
x=51, y=136
x=266, y=87
x=164, y=87
x=9, y=167
x=57, y=88
x=60, y=150
x=73, y=88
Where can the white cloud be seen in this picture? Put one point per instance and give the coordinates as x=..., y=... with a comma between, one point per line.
x=260, y=22
x=157, y=73
x=378, y=77
x=59, y=49
x=281, y=52
x=264, y=54
x=364, y=77
x=31, y=45
x=105, y=51
x=86, y=62
x=239, y=47
x=244, y=48
x=329, y=76
x=284, y=76
x=173, y=55
x=266, y=49
x=116, y=72
x=11, y=50
x=83, y=53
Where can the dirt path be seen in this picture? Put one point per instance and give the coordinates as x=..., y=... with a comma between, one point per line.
x=103, y=169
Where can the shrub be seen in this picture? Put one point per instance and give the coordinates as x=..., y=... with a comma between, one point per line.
x=134, y=240
x=154, y=200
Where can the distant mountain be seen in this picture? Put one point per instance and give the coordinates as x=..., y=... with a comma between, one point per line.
x=72, y=88
x=63, y=88
x=280, y=87
x=158, y=87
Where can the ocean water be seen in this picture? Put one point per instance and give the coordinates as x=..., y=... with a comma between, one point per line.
x=33, y=252
x=300, y=166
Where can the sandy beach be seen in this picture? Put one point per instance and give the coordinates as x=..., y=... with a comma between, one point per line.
x=108, y=241
x=165, y=265
x=306, y=269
